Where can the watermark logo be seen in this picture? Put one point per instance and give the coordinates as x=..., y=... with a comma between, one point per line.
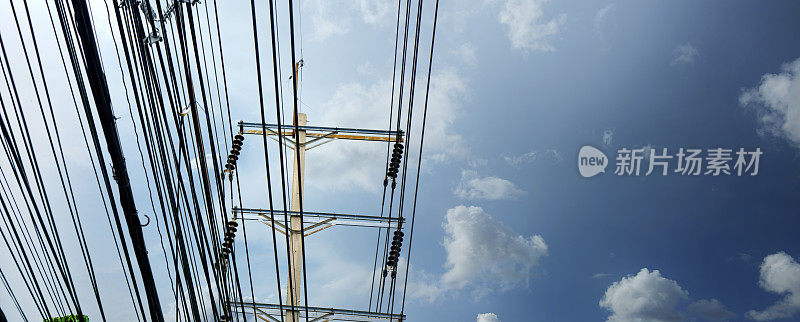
x=591, y=161
x=683, y=161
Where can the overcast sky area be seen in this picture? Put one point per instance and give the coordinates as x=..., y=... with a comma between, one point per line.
x=507, y=229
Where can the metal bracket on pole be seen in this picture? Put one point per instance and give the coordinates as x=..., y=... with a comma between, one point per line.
x=319, y=318
x=319, y=224
x=317, y=313
x=268, y=223
x=309, y=145
x=315, y=217
x=323, y=132
x=266, y=316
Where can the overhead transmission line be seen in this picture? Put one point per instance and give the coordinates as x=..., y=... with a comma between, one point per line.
x=165, y=52
x=419, y=160
x=266, y=153
x=44, y=267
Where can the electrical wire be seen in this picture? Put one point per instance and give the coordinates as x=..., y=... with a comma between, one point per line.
x=297, y=157
x=266, y=161
x=419, y=161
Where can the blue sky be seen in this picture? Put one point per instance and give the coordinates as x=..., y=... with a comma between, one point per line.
x=507, y=229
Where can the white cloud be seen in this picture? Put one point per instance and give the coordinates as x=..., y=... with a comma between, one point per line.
x=780, y=274
x=347, y=164
x=448, y=92
x=646, y=296
x=600, y=276
x=686, y=54
x=476, y=187
x=527, y=29
x=529, y=157
x=326, y=21
x=517, y=161
x=777, y=101
x=478, y=163
x=461, y=16
x=487, y=317
x=365, y=69
x=326, y=18
x=350, y=165
x=422, y=285
x=466, y=53
x=375, y=11
x=334, y=275
x=483, y=256
x=482, y=252
x=600, y=17
x=711, y=310
x=554, y=155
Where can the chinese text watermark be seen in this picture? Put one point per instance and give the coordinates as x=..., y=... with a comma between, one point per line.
x=683, y=161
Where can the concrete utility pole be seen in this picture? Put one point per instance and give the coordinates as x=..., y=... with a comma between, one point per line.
x=309, y=137
x=295, y=229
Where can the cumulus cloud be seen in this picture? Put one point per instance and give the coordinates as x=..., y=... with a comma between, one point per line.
x=780, y=274
x=482, y=252
x=483, y=256
x=777, y=102
x=359, y=165
x=686, y=54
x=476, y=187
x=711, y=310
x=646, y=296
x=487, y=317
x=527, y=28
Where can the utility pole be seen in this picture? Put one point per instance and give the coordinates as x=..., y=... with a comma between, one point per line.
x=309, y=137
x=295, y=229
x=305, y=223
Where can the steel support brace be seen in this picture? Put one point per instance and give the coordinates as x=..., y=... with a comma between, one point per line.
x=323, y=312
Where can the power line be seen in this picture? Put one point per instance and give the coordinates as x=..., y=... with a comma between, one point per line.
x=102, y=100
x=166, y=65
x=419, y=161
x=266, y=153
